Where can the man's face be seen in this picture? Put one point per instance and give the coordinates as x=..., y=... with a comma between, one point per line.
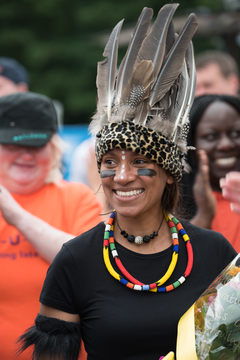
x=8, y=87
x=210, y=80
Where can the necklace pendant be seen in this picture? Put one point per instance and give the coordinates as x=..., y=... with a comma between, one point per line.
x=138, y=240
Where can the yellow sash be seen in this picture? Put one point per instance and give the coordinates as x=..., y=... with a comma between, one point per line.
x=186, y=337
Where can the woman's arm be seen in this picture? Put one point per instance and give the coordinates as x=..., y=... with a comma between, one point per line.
x=58, y=314
x=55, y=335
x=46, y=239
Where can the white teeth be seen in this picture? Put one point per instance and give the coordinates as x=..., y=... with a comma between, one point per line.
x=226, y=162
x=129, y=193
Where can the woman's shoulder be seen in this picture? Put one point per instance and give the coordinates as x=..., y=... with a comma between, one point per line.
x=197, y=232
x=207, y=242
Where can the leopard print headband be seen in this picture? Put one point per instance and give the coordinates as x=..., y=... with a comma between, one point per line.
x=141, y=140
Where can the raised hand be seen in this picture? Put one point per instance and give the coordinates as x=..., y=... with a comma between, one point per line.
x=203, y=194
x=231, y=189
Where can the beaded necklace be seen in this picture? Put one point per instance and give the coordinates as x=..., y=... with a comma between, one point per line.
x=139, y=239
x=175, y=227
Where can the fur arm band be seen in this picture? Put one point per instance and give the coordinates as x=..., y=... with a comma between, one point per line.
x=53, y=338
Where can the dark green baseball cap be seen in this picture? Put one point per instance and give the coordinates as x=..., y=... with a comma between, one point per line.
x=27, y=119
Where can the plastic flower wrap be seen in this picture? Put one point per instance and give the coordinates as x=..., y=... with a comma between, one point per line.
x=210, y=329
x=217, y=317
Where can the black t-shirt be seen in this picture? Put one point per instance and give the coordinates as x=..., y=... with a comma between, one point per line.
x=117, y=322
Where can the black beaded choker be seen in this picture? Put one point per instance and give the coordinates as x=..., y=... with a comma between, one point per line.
x=139, y=239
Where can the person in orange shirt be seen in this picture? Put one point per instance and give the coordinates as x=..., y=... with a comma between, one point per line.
x=215, y=132
x=38, y=210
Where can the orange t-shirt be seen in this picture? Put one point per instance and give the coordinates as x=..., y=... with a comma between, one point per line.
x=70, y=207
x=226, y=221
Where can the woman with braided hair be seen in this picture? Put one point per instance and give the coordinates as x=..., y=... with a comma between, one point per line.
x=123, y=285
x=215, y=132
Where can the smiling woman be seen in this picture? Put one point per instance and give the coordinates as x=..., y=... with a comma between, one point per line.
x=215, y=132
x=124, y=284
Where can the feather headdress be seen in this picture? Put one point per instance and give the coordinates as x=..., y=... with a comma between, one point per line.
x=150, y=92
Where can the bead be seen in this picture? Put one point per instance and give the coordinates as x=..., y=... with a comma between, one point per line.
x=137, y=287
x=146, y=287
x=175, y=248
x=138, y=240
x=185, y=237
x=146, y=238
x=153, y=285
x=112, y=246
x=182, y=279
x=123, y=281
x=176, y=284
x=161, y=289
x=105, y=242
x=182, y=232
x=108, y=227
x=169, y=288
x=106, y=235
x=114, y=253
x=131, y=238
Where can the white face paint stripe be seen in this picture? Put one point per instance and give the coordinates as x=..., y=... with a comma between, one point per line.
x=122, y=171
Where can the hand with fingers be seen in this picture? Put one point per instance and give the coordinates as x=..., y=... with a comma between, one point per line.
x=230, y=186
x=203, y=195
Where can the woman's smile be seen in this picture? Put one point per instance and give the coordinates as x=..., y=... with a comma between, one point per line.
x=128, y=193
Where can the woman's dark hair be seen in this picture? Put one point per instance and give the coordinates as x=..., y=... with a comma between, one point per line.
x=199, y=106
x=171, y=197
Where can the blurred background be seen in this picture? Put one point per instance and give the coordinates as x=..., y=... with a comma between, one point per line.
x=60, y=42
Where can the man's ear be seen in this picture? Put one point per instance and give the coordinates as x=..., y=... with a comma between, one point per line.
x=22, y=87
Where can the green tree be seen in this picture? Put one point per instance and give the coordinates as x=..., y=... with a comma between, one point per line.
x=61, y=41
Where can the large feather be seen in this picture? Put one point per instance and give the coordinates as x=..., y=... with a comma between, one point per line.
x=141, y=115
x=107, y=69
x=139, y=86
x=141, y=80
x=182, y=117
x=181, y=100
x=170, y=39
x=128, y=62
x=106, y=78
x=154, y=45
x=174, y=62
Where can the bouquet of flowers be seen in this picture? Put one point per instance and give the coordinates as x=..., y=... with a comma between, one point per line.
x=217, y=317
x=210, y=329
